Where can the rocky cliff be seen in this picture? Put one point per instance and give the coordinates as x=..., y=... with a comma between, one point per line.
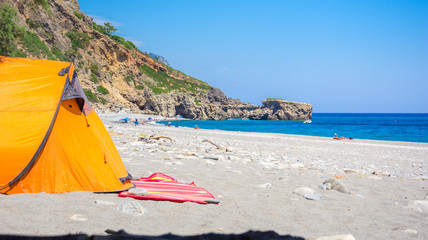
x=116, y=75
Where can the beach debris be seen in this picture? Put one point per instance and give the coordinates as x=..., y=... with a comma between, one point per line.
x=219, y=147
x=132, y=208
x=79, y=217
x=381, y=173
x=316, y=196
x=266, y=185
x=350, y=171
x=189, y=154
x=105, y=202
x=304, y=190
x=338, y=177
x=212, y=157
x=336, y=184
x=159, y=137
x=410, y=231
x=213, y=201
x=419, y=206
x=297, y=165
x=138, y=192
x=185, y=181
x=209, y=162
x=337, y=237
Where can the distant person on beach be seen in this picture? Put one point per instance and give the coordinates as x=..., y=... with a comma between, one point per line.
x=169, y=124
x=136, y=122
x=196, y=127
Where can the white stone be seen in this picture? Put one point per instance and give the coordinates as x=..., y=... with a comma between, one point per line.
x=410, y=231
x=266, y=185
x=209, y=162
x=297, y=165
x=315, y=197
x=138, y=192
x=337, y=185
x=79, y=217
x=337, y=237
x=419, y=205
x=105, y=202
x=304, y=190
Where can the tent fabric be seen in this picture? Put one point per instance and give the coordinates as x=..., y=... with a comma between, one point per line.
x=162, y=187
x=47, y=143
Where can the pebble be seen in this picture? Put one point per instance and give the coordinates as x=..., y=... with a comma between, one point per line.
x=79, y=217
x=315, y=196
x=304, y=190
x=138, y=192
x=132, y=208
x=410, y=231
x=185, y=181
x=337, y=237
x=266, y=185
x=351, y=171
x=212, y=157
x=297, y=165
x=337, y=185
x=381, y=173
x=209, y=162
x=419, y=205
x=105, y=202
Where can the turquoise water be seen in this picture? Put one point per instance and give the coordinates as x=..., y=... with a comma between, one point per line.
x=387, y=126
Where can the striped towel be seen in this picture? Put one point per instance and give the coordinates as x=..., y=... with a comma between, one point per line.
x=162, y=187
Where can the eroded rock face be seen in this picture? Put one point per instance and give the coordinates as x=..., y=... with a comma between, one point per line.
x=286, y=110
x=120, y=71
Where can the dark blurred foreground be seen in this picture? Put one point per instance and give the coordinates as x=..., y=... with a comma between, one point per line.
x=250, y=235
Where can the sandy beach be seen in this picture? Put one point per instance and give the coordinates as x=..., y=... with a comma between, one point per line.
x=258, y=179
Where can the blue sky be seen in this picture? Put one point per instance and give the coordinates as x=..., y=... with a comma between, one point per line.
x=341, y=56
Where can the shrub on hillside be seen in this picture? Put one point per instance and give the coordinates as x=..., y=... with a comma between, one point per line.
x=102, y=90
x=78, y=14
x=93, y=78
x=78, y=39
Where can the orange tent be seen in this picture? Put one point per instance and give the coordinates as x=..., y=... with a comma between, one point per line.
x=51, y=140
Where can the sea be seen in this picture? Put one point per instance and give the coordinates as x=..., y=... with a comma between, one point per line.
x=408, y=127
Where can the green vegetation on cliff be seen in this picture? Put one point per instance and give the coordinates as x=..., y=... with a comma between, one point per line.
x=10, y=32
x=24, y=41
x=165, y=83
x=128, y=44
x=102, y=90
x=78, y=39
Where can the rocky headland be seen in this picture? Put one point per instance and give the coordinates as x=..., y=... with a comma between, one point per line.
x=116, y=75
